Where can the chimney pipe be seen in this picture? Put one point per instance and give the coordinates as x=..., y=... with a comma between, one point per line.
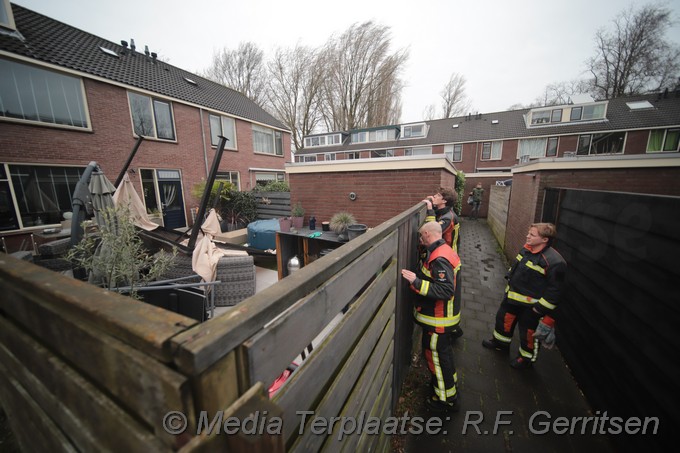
x=146, y=50
x=132, y=45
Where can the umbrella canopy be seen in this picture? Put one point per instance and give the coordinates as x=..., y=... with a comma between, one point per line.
x=101, y=191
x=128, y=197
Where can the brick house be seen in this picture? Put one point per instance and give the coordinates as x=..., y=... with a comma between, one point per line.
x=68, y=97
x=486, y=147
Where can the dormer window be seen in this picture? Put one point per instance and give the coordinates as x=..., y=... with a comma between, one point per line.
x=323, y=140
x=6, y=16
x=567, y=114
x=414, y=130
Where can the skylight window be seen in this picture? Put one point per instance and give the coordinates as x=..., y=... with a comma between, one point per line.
x=108, y=51
x=639, y=105
x=193, y=82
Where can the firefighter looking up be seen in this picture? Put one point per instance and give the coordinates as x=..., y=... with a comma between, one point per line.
x=535, y=282
x=440, y=209
x=434, y=285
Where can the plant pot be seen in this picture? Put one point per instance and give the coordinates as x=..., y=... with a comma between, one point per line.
x=284, y=225
x=356, y=230
x=297, y=222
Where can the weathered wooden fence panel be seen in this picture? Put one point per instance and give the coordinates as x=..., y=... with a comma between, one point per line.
x=97, y=371
x=497, y=217
x=272, y=204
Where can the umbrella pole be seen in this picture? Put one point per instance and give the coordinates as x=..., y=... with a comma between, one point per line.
x=129, y=159
x=206, y=193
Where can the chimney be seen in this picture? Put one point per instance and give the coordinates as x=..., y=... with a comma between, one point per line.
x=132, y=45
x=146, y=50
x=125, y=46
x=154, y=55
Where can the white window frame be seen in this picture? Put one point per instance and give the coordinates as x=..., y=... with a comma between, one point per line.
x=276, y=141
x=663, y=142
x=381, y=153
x=532, y=147
x=450, y=151
x=328, y=156
x=152, y=106
x=227, y=128
x=409, y=130
x=495, y=150
x=418, y=151
x=42, y=96
x=353, y=155
x=229, y=176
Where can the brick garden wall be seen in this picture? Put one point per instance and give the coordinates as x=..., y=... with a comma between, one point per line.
x=380, y=194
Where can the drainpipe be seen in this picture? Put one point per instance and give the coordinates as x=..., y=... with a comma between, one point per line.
x=476, y=156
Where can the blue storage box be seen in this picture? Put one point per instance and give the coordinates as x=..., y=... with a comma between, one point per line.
x=262, y=234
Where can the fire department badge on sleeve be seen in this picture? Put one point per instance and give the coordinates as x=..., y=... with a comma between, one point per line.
x=442, y=275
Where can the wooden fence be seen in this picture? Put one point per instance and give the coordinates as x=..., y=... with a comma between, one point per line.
x=86, y=369
x=272, y=204
x=497, y=218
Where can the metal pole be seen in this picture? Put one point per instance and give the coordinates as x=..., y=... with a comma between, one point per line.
x=206, y=193
x=119, y=179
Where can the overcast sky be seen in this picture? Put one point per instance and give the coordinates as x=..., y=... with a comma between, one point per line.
x=508, y=51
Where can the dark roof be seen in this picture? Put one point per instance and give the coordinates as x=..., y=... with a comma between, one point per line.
x=51, y=41
x=512, y=125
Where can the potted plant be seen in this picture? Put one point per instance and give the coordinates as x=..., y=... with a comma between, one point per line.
x=339, y=223
x=284, y=224
x=297, y=216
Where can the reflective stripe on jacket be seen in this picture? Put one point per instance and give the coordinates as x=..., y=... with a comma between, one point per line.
x=435, y=306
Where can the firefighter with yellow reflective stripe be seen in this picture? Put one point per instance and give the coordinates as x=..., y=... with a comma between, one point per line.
x=434, y=285
x=533, y=291
x=440, y=209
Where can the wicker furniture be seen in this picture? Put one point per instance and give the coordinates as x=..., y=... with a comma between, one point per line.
x=235, y=273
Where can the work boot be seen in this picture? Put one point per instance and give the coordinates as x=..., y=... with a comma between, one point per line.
x=521, y=363
x=457, y=333
x=495, y=344
x=433, y=404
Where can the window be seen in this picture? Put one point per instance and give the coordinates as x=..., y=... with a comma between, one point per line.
x=225, y=126
x=551, y=148
x=419, y=151
x=556, y=116
x=611, y=143
x=6, y=16
x=359, y=137
x=532, y=147
x=261, y=178
x=492, y=150
x=663, y=140
x=540, y=117
x=323, y=140
x=593, y=112
x=34, y=94
x=42, y=194
x=575, y=113
x=329, y=156
x=454, y=152
x=382, y=153
x=229, y=176
x=267, y=141
x=151, y=117
x=353, y=155
x=413, y=130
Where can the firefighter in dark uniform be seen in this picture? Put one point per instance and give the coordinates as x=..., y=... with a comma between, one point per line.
x=434, y=284
x=535, y=282
x=440, y=209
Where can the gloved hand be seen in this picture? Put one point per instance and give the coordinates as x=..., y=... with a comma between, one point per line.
x=545, y=332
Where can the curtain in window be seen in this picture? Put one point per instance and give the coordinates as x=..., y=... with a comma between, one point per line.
x=496, y=149
x=263, y=141
x=533, y=147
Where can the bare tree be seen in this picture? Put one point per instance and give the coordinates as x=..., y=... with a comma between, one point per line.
x=634, y=57
x=560, y=93
x=294, y=90
x=362, y=85
x=242, y=69
x=429, y=113
x=454, y=99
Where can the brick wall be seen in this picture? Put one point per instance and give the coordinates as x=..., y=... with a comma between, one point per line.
x=380, y=194
x=111, y=140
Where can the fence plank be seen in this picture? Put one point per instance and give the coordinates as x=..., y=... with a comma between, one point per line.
x=310, y=380
x=377, y=407
x=33, y=429
x=145, y=386
x=335, y=397
x=254, y=400
x=202, y=345
x=141, y=325
x=73, y=400
x=367, y=389
x=272, y=349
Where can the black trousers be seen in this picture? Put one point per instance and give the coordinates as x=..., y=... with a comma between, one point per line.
x=511, y=315
x=438, y=350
